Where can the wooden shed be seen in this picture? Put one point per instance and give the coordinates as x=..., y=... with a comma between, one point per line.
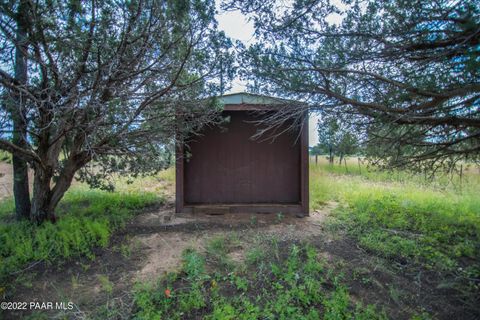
x=223, y=170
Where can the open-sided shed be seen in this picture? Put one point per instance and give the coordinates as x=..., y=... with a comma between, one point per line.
x=225, y=170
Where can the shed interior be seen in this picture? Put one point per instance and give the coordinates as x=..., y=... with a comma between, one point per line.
x=224, y=170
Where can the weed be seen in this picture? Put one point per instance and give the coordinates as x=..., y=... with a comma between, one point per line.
x=25, y=279
x=75, y=283
x=395, y=294
x=106, y=284
x=7, y=208
x=85, y=266
x=421, y=316
x=279, y=218
x=125, y=250
x=218, y=249
x=254, y=255
x=5, y=157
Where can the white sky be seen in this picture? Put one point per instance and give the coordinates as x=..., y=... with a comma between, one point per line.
x=236, y=26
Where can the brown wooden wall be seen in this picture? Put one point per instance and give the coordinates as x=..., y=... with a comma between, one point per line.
x=227, y=167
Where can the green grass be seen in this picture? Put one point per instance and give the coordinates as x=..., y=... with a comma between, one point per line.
x=153, y=183
x=469, y=182
x=86, y=219
x=5, y=157
x=289, y=282
x=432, y=225
x=7, y=207
x=217, y=251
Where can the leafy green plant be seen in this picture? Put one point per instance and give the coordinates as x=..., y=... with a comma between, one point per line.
x=254, y=255
x=279, y=217
x=86, y=219
x=218, y=249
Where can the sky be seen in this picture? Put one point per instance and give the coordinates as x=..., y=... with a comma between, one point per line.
x=236, y=26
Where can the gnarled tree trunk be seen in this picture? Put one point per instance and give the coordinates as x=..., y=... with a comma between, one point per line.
x=45, y=197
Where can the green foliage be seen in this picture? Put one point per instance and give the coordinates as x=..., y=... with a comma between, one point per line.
x=402, y=217
x=296, y=286
x=86, y=219
x=153, y=302
x=254, y=255
x=432, y=229
x=380, y=65
x=7, y=207
x=168, y=175
x=217, y=251
x=5, y=157
x=175, y=65
x=336, y=137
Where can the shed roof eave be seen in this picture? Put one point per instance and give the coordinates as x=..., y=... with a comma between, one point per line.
x=252, y=99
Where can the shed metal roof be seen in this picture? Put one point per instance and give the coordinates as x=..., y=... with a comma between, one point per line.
x=249, y=98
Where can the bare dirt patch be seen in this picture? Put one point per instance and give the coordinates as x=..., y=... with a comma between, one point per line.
x=6, y=180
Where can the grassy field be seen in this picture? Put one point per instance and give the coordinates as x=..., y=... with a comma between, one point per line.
x=417, y=224
x=402, y=245
x=432, y=223
x=86, y=220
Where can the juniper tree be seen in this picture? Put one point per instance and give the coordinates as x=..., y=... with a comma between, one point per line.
x=409, y=69
x=337, y=137
x=107, y=81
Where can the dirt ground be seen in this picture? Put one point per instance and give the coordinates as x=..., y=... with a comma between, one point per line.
x=6, y=180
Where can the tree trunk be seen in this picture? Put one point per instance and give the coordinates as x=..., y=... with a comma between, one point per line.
x=45, y=199
x=41, y=204
x=21, y=192
x=20, y=168
x=64, y=181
